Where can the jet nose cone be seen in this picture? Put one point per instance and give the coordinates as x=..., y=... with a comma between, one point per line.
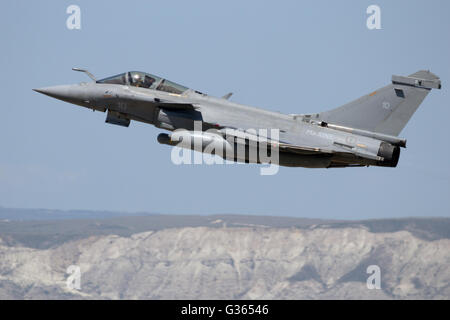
x=55, y=92
x=41, y=90
x=68, y=93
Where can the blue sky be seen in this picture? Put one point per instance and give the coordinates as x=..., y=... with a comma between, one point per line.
x=289, y=56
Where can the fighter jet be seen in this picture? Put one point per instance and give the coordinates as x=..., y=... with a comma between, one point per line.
x=364, y=132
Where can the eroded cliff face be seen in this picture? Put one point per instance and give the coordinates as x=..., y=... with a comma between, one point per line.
x=232, y=263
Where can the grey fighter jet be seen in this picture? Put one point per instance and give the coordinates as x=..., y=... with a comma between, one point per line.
x=363, y=132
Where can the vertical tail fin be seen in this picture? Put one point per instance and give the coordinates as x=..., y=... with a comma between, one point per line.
x=386, y=110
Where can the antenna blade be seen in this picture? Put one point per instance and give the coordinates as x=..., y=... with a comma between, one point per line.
x=227, y=96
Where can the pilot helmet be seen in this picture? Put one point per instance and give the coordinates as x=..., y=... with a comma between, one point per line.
x=137, y=78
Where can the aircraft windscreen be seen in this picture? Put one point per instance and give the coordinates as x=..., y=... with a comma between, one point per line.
x=117, y=79
x=145, y=80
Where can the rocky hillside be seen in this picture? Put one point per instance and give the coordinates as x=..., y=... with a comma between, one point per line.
x=246, y=262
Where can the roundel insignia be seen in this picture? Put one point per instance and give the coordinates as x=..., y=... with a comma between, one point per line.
x=386, y=105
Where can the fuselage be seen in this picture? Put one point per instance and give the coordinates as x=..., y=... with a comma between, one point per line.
x=125, y=102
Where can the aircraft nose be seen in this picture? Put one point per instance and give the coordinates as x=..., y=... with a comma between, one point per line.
x=42, y=90
x=57, y=92
x=68, y=93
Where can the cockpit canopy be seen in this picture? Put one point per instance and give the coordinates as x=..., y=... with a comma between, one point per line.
x=145, y=80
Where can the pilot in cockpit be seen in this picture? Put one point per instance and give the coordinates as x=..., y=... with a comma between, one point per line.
x=137, y=80
x=141, y=80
